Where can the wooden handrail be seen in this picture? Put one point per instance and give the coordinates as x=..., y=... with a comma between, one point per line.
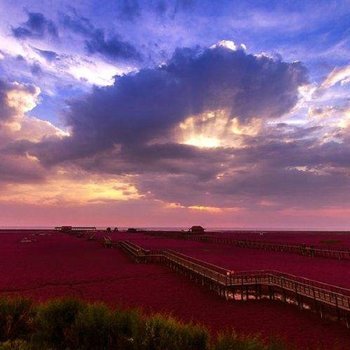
x=327, y=293
x=202, y=262
x=294, y=248
x=313, y=289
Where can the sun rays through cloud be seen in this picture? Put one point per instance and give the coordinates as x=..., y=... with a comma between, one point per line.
x=216, y=129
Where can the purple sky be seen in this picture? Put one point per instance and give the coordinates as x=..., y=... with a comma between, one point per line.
x=173, y=113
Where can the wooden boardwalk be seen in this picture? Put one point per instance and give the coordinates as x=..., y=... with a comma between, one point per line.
x=301, y=249
x=327, y=300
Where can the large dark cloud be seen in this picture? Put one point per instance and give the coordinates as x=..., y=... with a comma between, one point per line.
x=143, y=106
x=37, y=27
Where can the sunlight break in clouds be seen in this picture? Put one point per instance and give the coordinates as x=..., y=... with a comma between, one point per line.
x=216, y=129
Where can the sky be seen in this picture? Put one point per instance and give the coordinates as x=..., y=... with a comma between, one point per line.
x=175, y=113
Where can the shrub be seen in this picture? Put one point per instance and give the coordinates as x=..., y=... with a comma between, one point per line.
x=71, y=324
x=127, y=329
x=92, y=327
x=164, y=332
x=194, y=337
x=16, y=318
x=231, y=341
x=278, y=344
x=55, y=323
x=15, y=345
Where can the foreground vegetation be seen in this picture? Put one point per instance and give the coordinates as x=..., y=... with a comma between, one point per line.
x=74, y=324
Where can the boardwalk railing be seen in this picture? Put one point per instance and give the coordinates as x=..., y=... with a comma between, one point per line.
x=140, y=254
x=293, y=248
x=318, y=296
x=301, y=249
x=334, y=295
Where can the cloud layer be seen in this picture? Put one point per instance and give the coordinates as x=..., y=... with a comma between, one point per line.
x=209, y=131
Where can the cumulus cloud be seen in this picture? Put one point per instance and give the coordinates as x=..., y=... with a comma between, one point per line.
x=36, y=27
x=15, y=126
x=15, y=100
x=144, y=106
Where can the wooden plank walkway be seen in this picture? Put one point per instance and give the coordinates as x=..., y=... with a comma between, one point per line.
x=301, y=249
x=325, y=299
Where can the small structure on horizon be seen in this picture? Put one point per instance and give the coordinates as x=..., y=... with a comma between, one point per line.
x=64, y=228
x=131, y=230
x=74, y=228
x=196, y=230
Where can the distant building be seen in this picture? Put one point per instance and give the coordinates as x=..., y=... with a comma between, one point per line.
x=196, y=230
x=131, y=230
x=64, y=228
x=74, y=228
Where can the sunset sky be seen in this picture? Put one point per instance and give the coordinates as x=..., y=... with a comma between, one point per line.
x=175, y=113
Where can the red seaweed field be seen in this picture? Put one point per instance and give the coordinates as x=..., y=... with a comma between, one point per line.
x=55, y=264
